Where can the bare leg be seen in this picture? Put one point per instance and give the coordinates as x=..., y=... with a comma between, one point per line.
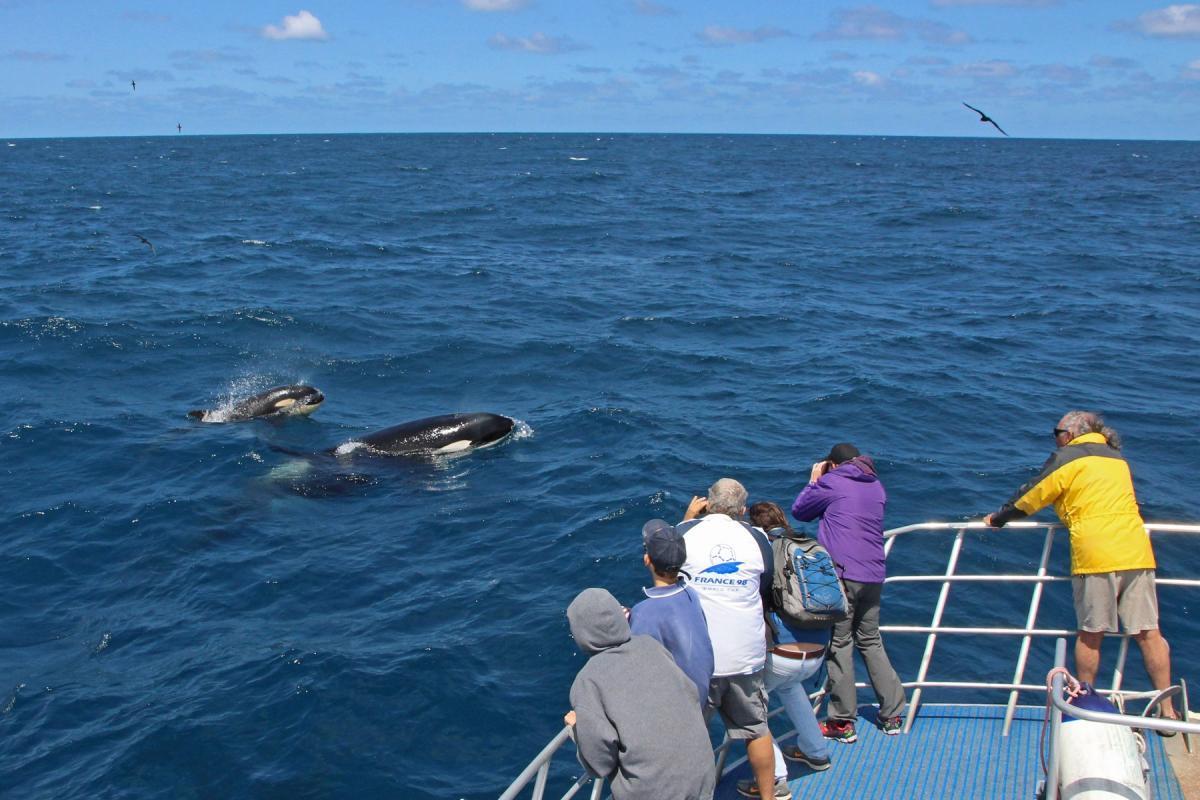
x=762, y=760
x=1087, y=655
x=1156, y=653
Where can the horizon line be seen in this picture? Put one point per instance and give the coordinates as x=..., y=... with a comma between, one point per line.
x=180, y=135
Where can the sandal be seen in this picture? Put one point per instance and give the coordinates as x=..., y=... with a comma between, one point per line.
x=1168, y=734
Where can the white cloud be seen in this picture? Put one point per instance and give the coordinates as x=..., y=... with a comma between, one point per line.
x=994, y=68
x=1060, y=73
x=865, y=77
x=1172, y=21
x=1192, y=71
x=302, y=25
x=146, y=76
x=1112, y=62
x=716, y=34
x=495, y=5
x=926, y=61
x=873, y=22
x=537, y=43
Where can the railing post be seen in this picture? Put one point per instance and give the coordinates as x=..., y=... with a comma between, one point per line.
x=1060, y=660
x=726, y=742
x=1026, y=640
x=1119, y=669
x=951, y=565
x=1187, y=714
x=539, y=766
x=539, y=785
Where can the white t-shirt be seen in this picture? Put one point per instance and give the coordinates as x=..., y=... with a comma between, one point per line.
x=726, y=564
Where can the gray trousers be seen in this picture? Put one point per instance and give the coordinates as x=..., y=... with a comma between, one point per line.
x=861, y=629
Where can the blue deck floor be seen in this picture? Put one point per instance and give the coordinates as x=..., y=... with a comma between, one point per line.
x=952, y=752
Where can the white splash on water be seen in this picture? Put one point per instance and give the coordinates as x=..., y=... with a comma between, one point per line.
x=521, y=430
x=290, y=470
x=346, y=448
x=238, y=389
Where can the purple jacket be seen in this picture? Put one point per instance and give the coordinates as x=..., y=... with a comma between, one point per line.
x=849, y=499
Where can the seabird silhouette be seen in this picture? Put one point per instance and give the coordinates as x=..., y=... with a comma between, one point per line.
x=985, y=118
x=134, y=85
x=148, y=243
x=179, y=127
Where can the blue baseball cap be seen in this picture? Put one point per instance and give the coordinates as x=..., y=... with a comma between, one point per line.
x=664, y=545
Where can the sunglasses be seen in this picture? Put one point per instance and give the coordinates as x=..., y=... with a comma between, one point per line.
x=1059, y=432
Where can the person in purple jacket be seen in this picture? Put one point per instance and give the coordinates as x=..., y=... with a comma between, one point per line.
x=844, y=492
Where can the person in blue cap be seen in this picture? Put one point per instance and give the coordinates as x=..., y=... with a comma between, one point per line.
x=671, y=612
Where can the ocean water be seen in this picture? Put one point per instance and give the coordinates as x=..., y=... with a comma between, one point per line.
x=193, y=610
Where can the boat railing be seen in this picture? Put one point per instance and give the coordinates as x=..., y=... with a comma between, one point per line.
x=538, y=770
x=1037, y=580
x=1059, y=705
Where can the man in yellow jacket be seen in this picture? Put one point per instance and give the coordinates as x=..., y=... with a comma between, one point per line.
x=1112, y=563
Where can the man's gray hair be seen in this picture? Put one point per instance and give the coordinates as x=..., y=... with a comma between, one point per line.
x=1077, y=423
x=727, y=496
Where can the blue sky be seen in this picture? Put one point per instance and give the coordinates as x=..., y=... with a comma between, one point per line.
x=1041, y=68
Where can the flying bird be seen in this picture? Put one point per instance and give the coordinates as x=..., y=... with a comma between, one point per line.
x=179, y=127
x=147, y=242
x=985, y=118
x=134, y=85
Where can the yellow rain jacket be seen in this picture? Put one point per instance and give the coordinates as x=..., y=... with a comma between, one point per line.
x=1091, y=488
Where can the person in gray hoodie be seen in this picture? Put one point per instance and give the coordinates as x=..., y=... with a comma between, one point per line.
x=634, y=714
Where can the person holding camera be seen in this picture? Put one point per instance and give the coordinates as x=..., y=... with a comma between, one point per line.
x=845, y=494
x=731, y=566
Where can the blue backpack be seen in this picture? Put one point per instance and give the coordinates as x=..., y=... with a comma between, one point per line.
x=806, y=592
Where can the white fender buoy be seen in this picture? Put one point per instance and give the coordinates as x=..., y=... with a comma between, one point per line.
x=1098, y=761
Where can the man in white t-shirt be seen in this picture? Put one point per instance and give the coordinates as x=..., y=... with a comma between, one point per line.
x=730, y=566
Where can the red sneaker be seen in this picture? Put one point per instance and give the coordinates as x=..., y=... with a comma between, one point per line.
x=840, y=730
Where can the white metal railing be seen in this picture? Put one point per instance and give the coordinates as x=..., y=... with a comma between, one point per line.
x=1038, y=580
x=538, y=770
x=1058, y=705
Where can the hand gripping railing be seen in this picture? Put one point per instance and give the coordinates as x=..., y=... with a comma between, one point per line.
x=1059, y=706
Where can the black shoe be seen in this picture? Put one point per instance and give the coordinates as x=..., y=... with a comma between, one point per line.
x=794, y=753
x=1168, y=734
x=748, y=787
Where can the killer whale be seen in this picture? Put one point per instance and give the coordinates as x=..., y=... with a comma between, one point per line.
x=447, y=433
x=291, y=399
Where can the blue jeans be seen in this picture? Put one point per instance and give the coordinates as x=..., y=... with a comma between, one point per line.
x=785, y=680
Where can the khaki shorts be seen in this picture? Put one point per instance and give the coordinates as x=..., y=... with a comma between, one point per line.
x=741, y=701
x=1102, y=597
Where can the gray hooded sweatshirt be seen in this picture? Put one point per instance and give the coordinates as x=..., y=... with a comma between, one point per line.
x=637, y=722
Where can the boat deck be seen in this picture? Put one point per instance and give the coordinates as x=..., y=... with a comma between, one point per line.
x=952, y=752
